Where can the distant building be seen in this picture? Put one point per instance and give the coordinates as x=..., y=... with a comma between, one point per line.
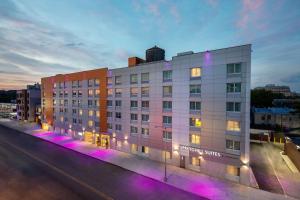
x=289, y=103
x=7, y=110
x=285, y=90
x=27, y=100
x=284, y=117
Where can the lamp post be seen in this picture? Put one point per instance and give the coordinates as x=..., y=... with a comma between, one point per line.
x=165, y=176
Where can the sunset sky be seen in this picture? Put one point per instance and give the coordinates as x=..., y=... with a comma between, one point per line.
x=40, y=38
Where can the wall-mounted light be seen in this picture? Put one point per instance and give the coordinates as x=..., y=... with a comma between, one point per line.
x=126, y=137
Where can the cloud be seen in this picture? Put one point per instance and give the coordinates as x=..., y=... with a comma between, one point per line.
x=174, y=12
x=293, y=78
x=251, y=14
x=154, y=9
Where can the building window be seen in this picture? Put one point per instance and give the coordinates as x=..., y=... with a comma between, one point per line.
x=167, y=119
x=109, y=114
x=90, y=93
x=118, y=115
x=80, y=121
x=90, y=82
x=195, y=89
x=145, y=131
x=133, y=78
x=145, y=118
x=134, y=148
x=109, y=92
x=195, y=139
x=80, y=112
x=91, y=113
x=133, y=117
x=195, y=72
x=97, y=82
x=109, y=126
x=167, y=91
x=233, y=106
x=109, y=103
x=90, y=103
x=97, y=113
x=133, y=129
x=90, y=123
x=233, y=170
x=109, y=80
x=195, y=106
x=74, y=111
x=232, y=145
x=118, y=80
x=97, y=92
x=195, y=161
x=233, y=87
x=233, y=125
x=74, y=93
x=166, y=154
x=133, y=104
x=118, y=92
x=134, y=92
x=79, y=93
x=118, y=127
x=167, y=135
x=234, y=68
x=145, y=149
x=145, y=77
x=167, y=76
x=145, y=91
x=145, y=104
x=195, y=122
x=118, y=103
x=167, y=105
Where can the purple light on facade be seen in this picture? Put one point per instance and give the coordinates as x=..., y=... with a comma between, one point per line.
x=167, y=65
x=109, y=73
x=207, y=60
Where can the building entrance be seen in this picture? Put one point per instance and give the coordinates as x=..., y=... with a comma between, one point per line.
x=88, y=137
x=105, y=141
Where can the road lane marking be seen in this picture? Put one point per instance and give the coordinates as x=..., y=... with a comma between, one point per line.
x=101, y=194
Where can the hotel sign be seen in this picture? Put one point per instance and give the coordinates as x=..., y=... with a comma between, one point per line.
x=184, y=149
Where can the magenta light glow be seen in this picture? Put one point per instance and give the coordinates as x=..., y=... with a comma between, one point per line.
x=207, y=60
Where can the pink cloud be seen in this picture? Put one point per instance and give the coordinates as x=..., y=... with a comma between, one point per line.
x=251, y=13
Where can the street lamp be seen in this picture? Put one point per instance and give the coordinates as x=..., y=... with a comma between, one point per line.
x=165, y=177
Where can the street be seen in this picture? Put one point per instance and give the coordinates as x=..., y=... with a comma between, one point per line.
x=31, y=168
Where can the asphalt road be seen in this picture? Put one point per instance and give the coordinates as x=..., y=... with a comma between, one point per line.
x=31, y=168
x=263, y=169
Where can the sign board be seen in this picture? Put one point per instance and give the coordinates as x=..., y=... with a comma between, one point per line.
x=184, y=149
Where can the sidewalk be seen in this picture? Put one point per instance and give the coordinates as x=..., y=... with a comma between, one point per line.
x=190, y=181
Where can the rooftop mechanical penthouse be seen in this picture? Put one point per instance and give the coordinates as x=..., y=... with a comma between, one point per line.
x=193, y=109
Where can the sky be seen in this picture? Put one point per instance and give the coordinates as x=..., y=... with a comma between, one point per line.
x=40, y=38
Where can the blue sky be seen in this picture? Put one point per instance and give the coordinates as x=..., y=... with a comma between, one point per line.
x=44, y=37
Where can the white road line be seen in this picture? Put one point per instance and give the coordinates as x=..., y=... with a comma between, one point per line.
x=101, y=194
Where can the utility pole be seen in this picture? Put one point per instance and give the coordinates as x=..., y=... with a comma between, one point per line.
x=165, y=176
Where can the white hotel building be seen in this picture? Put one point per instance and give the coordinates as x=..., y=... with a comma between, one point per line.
x=194, y=108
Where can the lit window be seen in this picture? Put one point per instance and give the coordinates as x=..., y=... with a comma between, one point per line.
x=145, y=149
x=167, y=91
x=166, y=154
x=195, y=161
x=97, y=92
x=195, y=122
x=90, y=123
x=97, y=82
x=98, y=113
x=109, y=92
x=61, y=119
x=134, y=92
x=118, y=92
x=145, y=131
x=195, y=72
x=90, y=93
x=234, y=68
x=195, y=139
x=80, y=111
x=233, y=87
x=233, y=125
x=145, y=91
x=134, y=148
x=91, y=113
x=233, y=170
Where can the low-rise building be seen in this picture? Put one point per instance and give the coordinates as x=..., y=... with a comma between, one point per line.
x=27, y=100
x=281, y=117
x=281, y=89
